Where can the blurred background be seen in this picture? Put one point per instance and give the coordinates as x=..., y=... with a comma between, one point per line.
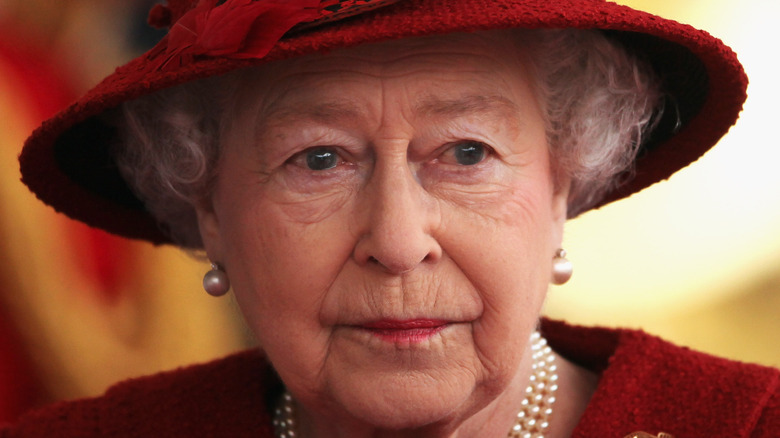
x=695, y=259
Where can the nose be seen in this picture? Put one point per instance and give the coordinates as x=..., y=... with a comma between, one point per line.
x=398, y=218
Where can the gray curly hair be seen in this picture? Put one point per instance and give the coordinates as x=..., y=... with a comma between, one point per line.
x=598, y=101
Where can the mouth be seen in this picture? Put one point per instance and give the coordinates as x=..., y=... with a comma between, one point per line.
x=411, y=331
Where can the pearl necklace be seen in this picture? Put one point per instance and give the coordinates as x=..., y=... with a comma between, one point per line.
x=531, y=422
x=536, y=408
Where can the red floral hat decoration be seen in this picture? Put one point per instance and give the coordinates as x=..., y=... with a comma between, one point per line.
x=66, y=161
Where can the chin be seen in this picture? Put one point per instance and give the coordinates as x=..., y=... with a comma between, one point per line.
x=406, y=417
x=411, y=402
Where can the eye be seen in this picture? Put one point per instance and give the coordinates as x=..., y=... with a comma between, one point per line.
x=320, y=158
x=466, y=153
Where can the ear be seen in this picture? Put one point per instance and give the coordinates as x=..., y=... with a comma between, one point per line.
x=210, y=232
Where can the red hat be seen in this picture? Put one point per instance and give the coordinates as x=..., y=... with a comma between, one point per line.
x=66, y=161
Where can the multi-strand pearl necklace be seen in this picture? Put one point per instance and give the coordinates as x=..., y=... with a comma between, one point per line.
x=533, y=419
x=531, y=422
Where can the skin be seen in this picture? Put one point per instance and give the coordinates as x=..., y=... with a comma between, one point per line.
x=398, y=229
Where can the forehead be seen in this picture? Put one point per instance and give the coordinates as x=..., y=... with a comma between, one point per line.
x=466, y=69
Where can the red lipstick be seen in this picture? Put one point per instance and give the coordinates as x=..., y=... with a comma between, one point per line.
x=412, y=330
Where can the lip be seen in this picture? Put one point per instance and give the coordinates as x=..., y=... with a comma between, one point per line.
x=410, y=330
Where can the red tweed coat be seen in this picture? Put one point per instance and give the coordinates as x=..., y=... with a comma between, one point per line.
x=646, y=385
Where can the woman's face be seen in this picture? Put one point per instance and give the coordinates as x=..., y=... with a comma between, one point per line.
x=388, y=218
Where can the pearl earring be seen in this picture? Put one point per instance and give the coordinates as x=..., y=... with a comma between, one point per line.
x=562, y=268
x=216, y=281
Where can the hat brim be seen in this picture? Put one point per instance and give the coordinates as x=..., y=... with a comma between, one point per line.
x=66, y=161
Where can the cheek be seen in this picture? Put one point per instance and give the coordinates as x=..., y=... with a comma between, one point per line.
x=502, y=249
x=277, y=241
x=281, y=261
x=281, y=271
x=507, y=233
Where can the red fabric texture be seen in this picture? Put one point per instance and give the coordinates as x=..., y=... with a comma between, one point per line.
x=646, y=385
x=92, y=193
x=234, y=29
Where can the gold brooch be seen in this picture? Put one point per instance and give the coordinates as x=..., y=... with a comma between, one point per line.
x=647, y=435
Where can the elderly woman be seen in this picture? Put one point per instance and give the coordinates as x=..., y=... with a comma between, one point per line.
x=385, y=185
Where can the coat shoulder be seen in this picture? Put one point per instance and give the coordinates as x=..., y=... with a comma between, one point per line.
x=226, y=397
x=649, y=384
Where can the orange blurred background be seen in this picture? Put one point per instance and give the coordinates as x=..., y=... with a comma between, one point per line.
x=81, y=309
x=693, y=259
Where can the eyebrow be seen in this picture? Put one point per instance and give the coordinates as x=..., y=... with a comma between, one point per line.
x=326, y=112
x=467, y=105
x=340, y=110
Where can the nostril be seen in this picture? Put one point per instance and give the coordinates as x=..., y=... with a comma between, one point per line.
x=398, y=266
